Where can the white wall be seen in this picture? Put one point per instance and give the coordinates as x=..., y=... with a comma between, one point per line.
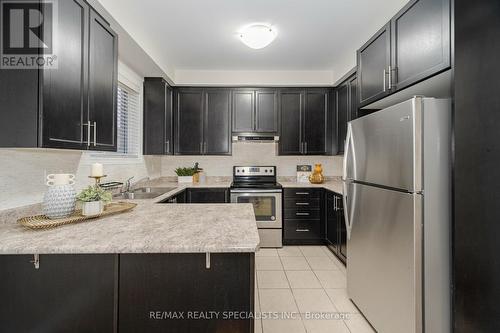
x=256, y=78
x=251, y=154
x=23, y=171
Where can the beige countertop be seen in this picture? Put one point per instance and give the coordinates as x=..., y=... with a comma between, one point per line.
x=150, y=228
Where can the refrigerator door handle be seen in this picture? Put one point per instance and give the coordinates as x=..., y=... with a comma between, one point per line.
x=348, y=210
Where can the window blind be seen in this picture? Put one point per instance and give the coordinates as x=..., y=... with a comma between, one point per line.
x=128, y=121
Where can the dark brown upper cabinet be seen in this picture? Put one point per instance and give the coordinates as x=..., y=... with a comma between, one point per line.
x=255, y=111
x=103, y=81
x=304, y=114
x=346, y=106
x=74, y=105
x=374, y=61
x=413, y=46
x=421, y=41
x=158, y=117
x=64, y=104
x=202, y=121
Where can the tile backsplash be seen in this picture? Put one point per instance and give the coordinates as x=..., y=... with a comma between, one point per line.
x=22, y=171
x=251, y=153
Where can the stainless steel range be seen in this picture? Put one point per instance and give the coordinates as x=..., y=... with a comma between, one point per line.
x=257, y=185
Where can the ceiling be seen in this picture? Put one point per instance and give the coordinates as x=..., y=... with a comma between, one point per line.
x=317, y=36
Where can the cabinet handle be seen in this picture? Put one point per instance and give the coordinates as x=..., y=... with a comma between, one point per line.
x=205, y=147
x=167, y=144
x=390, y=78
x=391, y=70
x=201, y=147
x=302, y=214
x=305, y=146
x=384, y=75
x=334, y=204
x=88, y=132
x=302, y=230
x=36, y=261
x=302, y=203
x=95, y=134
x=302, y=193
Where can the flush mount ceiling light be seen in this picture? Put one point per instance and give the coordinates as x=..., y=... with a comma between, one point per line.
x=257, y=36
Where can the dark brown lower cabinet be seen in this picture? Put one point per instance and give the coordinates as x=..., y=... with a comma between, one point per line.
x=109, y=293
x=207, y=195
x=178, y=293
x=336, y=233
x=303, y=223
x=67, y=293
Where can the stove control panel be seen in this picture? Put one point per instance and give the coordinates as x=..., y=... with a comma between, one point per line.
x=254, y=171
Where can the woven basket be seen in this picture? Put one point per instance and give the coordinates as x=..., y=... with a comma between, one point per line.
x=43, y=222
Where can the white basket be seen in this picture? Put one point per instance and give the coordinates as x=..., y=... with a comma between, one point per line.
x=185, y=179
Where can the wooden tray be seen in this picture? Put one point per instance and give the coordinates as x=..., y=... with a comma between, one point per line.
x=43, y=222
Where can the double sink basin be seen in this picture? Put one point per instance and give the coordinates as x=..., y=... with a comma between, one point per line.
x=144, y=193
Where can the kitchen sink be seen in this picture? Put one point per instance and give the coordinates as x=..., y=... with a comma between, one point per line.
x=144, y=193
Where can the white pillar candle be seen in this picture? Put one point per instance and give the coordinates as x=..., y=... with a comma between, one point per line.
x=97, y=170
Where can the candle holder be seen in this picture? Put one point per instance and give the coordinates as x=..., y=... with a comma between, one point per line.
x=97, y=179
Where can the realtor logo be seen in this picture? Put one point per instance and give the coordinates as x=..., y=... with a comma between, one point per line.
x=27, y=36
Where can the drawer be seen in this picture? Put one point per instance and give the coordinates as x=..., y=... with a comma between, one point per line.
x=302, y=203
x=305, y=192
x=297, y=229
x=303, y=214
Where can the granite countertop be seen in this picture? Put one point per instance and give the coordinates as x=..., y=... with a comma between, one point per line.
x=334, y=185
x=150, y=228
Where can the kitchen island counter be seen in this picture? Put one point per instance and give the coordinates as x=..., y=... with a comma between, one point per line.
x=150, y=227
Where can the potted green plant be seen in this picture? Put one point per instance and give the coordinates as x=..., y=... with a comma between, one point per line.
x=93, y=199
x=185, y=175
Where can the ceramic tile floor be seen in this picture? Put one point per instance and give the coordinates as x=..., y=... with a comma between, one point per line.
x=305, y=282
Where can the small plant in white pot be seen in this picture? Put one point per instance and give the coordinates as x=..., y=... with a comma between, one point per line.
x=93, y=199
x=185, y=175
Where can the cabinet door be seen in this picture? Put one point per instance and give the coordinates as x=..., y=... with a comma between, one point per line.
x=207, y=195
x=155, y=104
x=342, y=231
x=243, y=111
x=189, y=122
x=315, y=115
x=169, y=121
x=68, y=293
x=64, y=103
x=103, y=76
x=181, y=283
x=421, y=41
x=353, y=98
x=332, y=223
x=291, y=107
x=217, y=122
x=342, y=114
x=374, y=59
x=266, y=111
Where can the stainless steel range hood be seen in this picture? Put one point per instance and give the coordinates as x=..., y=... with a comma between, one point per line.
x=253, y=137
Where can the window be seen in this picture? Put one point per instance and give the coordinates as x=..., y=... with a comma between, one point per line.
x=128, y=119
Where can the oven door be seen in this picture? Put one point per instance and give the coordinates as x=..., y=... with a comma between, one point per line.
x=266, y=204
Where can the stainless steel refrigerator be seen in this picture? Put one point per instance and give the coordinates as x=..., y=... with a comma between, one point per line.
x=397, y=170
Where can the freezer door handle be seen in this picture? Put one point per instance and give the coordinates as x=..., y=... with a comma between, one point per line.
x=349, y=149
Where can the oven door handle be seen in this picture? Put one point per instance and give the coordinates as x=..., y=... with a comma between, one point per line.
x=248, y=190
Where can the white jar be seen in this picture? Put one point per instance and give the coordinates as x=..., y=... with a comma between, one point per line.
x=59, y=200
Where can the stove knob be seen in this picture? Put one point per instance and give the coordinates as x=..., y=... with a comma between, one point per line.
x=265, y=170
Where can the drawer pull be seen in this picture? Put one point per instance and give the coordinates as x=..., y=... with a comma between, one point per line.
x=302, y=230
x=302, y=193
x=302, y=214
x=302, y=203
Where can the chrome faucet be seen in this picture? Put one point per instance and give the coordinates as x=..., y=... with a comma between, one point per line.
x=128, y=184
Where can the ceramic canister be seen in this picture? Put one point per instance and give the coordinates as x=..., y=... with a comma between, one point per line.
x=59, y=200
